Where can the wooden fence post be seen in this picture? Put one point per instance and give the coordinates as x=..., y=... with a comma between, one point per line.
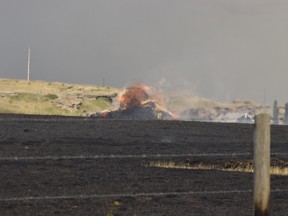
x=261, y=190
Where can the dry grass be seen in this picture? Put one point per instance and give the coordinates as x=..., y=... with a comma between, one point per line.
x=39, y=97
x=42, y=87
x=237, y=166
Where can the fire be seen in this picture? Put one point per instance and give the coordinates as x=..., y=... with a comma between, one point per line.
x=105, y=114
x=138, y=102
x=134, y=96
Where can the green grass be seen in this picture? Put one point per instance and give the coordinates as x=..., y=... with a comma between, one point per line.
x=51, y=96
x=96, y=105
x=26, y=97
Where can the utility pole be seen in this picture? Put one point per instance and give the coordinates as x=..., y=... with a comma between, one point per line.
x=28, y=66
x=103, y=81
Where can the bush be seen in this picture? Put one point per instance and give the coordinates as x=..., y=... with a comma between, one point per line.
x=51, y=96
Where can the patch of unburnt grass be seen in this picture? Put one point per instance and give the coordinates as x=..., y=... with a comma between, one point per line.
x=278, y=167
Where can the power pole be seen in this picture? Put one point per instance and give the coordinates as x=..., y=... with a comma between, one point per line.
x=28, y=66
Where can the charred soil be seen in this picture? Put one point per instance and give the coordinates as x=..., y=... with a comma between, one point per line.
x=86, y=166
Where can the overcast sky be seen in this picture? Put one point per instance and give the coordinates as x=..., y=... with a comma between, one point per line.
x=219, y=49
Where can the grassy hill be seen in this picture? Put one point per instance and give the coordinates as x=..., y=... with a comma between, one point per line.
x=53, y=98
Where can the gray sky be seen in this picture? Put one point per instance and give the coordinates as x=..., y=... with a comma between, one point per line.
x=219, y=49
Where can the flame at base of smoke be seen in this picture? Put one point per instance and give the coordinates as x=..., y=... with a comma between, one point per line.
x=138, y=102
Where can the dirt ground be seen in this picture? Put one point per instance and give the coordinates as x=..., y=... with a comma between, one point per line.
x=83, y=166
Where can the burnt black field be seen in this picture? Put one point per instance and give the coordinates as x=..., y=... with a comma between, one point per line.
x=85, y=166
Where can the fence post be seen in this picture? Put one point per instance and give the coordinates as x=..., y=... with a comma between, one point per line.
x=261, y=190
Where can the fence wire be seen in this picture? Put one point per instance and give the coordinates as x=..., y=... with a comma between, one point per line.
x=156, y=194
x=142, y=156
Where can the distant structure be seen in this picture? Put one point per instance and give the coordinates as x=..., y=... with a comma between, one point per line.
x=286, y=114
x=246, y=119
x=275, y=113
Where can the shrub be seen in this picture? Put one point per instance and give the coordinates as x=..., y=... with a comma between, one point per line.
x=51, y=96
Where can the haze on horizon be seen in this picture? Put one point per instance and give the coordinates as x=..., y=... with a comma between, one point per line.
x=218, y=49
